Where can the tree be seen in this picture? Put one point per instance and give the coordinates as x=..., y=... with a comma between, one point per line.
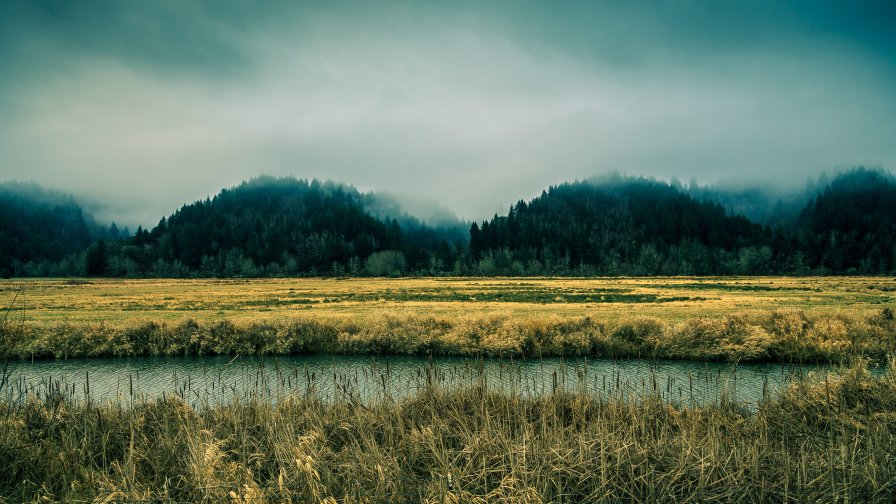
x=388, y=263
x=97, y=259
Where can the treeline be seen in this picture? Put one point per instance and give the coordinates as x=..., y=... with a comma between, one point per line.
x=613, y=226
x=625, y=226
x=280, y=227
x=850, y=227
x=45, y=233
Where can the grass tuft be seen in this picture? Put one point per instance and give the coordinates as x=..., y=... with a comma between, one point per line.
x=831, y=440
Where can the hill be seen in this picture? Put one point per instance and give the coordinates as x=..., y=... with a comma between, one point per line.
x=615, y=226
x=612, y=225
x=40, y=227
x=850, y=227
x=282, y=226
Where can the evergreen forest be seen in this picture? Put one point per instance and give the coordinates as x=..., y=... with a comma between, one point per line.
x=613, y=225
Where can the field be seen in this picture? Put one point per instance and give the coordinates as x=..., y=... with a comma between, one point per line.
x=670, y=299
x=822, y=319
x=829, y=438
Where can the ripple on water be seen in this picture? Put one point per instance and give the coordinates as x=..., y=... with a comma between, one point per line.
x=219, y=379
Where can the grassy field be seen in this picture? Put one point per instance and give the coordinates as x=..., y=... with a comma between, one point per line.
x=606, y=299
x=687, y=317
x=829, y=439
x=822, y=440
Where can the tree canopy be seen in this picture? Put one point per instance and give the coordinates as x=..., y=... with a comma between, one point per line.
x=610, y=226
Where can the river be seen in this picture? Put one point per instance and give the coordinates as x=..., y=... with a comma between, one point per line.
x=214, y=380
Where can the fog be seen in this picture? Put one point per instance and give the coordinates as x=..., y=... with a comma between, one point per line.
x=145, y=106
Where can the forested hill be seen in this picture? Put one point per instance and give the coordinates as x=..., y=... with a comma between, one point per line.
x=851, y=225
x=628, y=226
x=38, y=226
x=272, y=227
x=610, y=226
x=619, y=226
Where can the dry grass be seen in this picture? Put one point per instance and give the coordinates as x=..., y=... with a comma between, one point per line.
x=250, y=300
x=819, y=441
x=821, y=319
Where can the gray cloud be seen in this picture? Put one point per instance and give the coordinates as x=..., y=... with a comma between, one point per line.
x=149, y=105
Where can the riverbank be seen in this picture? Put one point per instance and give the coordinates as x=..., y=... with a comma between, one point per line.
x=789, y=335
x=733, y=319
x=831, y=440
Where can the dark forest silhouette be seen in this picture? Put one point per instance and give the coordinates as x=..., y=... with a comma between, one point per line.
x=610, y=226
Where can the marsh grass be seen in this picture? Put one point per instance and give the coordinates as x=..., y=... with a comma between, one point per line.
x=788, y=335
x=820, y=440
x=609, y=299
x=736, y=319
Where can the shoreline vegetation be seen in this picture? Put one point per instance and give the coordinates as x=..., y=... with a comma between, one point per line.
x=788, y=335
x=820, y=440
x=832, y=319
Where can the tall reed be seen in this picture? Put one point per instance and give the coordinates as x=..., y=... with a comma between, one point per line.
x=790, y=335
x=831, y=440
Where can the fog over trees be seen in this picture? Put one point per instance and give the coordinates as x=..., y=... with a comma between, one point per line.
x=611, y=225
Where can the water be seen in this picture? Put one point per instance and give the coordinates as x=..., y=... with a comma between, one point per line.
x=215, y=380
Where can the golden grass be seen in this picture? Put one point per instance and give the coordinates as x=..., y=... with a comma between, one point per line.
x=819, y=441
x=122, y=301
x=709, y=318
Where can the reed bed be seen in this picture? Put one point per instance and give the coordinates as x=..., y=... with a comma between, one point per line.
x=820, y=440
x=787, y=335
x=728, y=318
x=212, y=381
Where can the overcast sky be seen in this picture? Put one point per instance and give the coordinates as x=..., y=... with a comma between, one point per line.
x=151, y=104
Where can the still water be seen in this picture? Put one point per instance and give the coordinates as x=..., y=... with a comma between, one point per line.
x=213, y=380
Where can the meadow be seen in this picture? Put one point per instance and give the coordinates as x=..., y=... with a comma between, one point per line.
x=737, y=319
x=828, y=438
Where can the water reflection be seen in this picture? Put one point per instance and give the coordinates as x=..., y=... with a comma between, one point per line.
x=365, y=379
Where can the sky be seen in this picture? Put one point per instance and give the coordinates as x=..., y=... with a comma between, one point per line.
x=145, y=106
